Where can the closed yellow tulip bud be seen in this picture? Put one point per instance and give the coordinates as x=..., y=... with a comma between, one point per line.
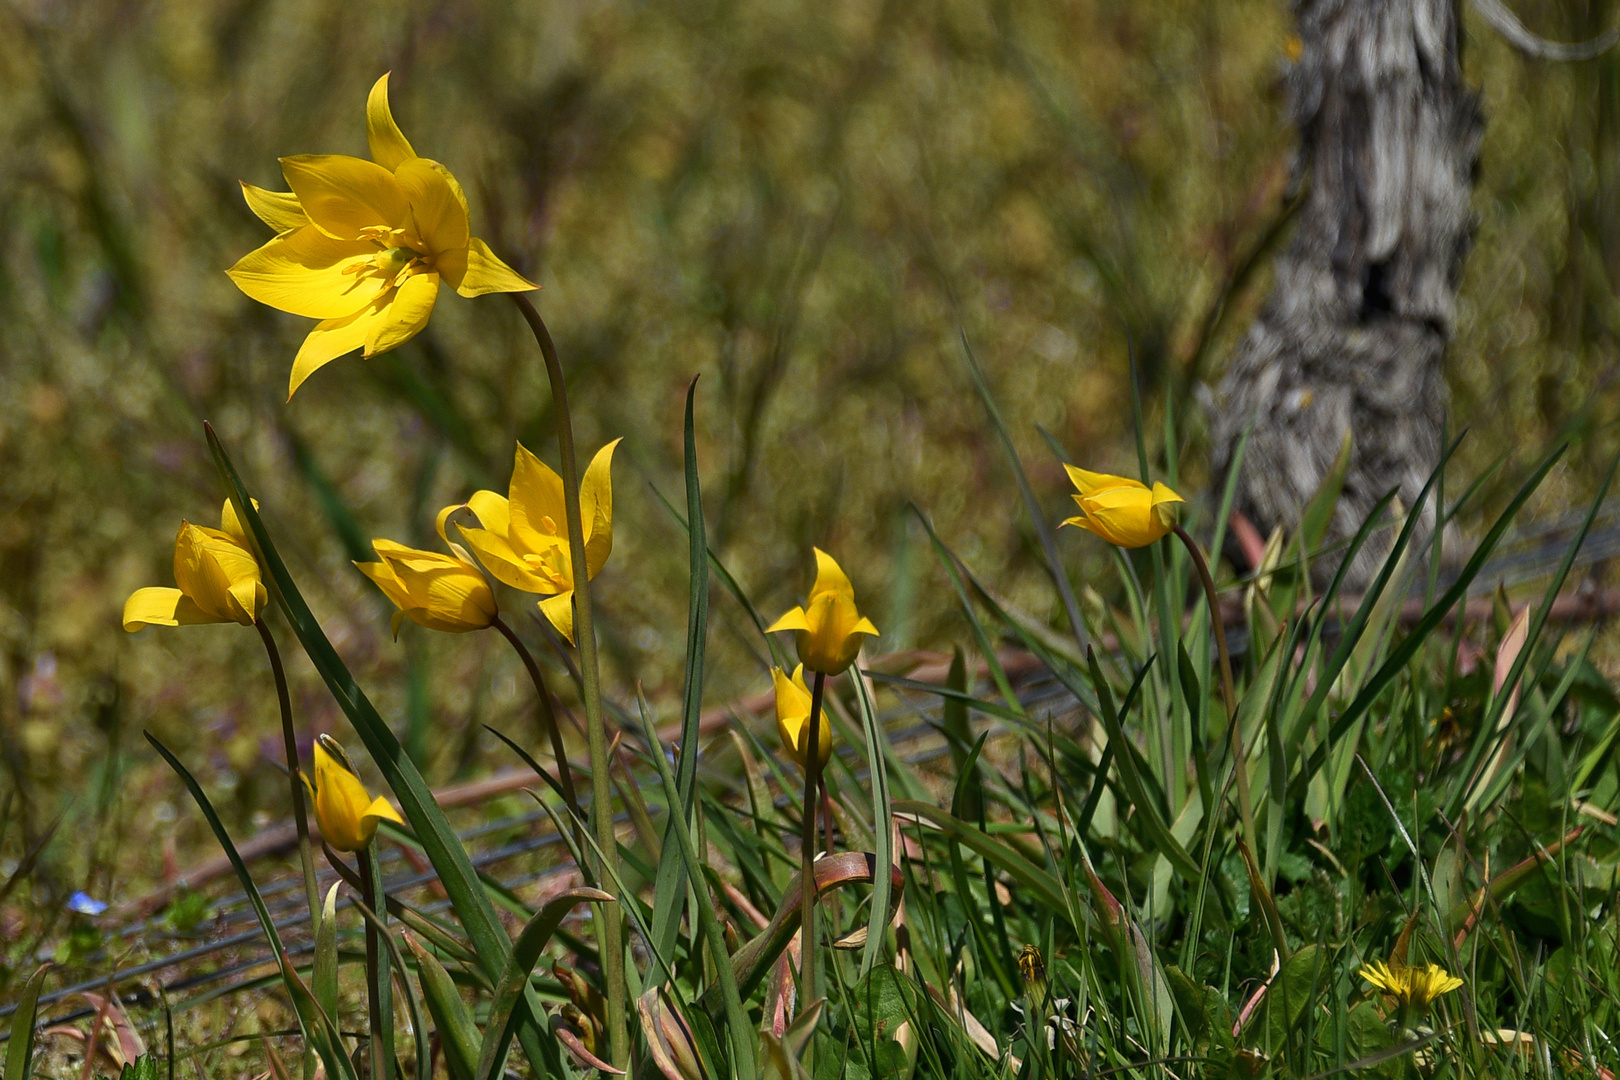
x=1123, y=511
x=522, y=539
x=793, y=702
x=440, y=592
x=828, y=630
x=218, y=578
x=344, y=809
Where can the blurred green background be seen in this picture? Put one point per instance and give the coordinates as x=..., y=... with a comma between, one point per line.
x=799, y=201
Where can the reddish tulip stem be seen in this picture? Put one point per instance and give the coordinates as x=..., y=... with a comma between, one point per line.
x=611, y=928
x=807, y=857
x=306, y=853
x=548, y=721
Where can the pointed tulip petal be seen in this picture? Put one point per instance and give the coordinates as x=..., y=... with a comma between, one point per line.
x=536, y=505
x=559, y=611
x=278, y=209
x=381, y=810
x=305, y=273
x=493, y=511
x=596, y=508
x=504, y=564
x=864, y=626
x=793, y=620
x=477, y=271
x=830, y=578
x=437, y=203
x=330, y=340
x=406, y=315
x=389, y=147
x=345, y=195
x=162, y=607
x=1090, y=483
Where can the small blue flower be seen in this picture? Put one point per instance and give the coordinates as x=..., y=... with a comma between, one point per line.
x=85, y=904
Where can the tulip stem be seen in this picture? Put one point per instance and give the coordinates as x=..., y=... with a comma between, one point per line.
x=306, y=854
x=548, y=721
x=1240, y=765
x=610, y=930
x=807, y=857
x=378, y=1003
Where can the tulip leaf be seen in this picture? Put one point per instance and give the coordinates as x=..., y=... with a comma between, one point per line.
x=316, y=1027
x=1414, y=639
x=1047, y=889
x=20, y=1052
x=738, y=1027
x=882, y=822
x=669, y=886
x=439, y=842
x=525, y=954
x=424, y=1050
x=451, y=1018
x=325, y=978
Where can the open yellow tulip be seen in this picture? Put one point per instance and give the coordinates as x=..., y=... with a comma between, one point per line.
x=827, y=631
x=522, y=539
x=793, y=702
x=440, y=592
x=1122, y=511
x=218, y=578
x=344, y=809
x=362, y=245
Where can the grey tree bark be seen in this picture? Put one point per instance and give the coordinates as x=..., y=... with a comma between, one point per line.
x=1353, y=335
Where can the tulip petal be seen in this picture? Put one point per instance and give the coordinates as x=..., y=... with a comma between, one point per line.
x=596, y=508
x=559, y=610
x=476, y=271
x=381, y=810
x=830, y=578
x=793, y=620
x=231, y=525
x=538, y=517
x=437, y=203
x=1090, y=483
x=305, y=273
x=163, y=607
x=344, y=195
x=864, y=626
x=492, y=510
x=280, y=210
x=406, y=314
x=504, y=564
x=389, y=147
x=383, y=576
x=332, y=339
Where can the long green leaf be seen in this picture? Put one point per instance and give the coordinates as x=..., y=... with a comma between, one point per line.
x=317, y=1028
x=1414, y=639
x=424, y=1052
x=432, y=829
x=882, y=823
x=526, y=951
x=743, y=1039
x=1046, y=887
x=20, y=1052
x=669, y=887
x=433, y=832
x=458, y=1035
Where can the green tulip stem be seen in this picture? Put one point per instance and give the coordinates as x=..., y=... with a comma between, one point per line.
x=548, y=721
x=1239, y=759
x=378, y=1004
x=807, y=857
x=610, y=929
x=306, y=853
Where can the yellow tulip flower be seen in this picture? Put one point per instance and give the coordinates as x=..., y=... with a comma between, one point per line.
x=1123, y=511
x=523, y=539
x=793, y=702
x=440, y=592
x=218, y=578
x=344, y=809
x=362, y=245
x=828, y=631
x=1411, y=987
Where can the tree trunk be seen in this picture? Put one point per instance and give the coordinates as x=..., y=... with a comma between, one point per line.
x=1353, y=335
